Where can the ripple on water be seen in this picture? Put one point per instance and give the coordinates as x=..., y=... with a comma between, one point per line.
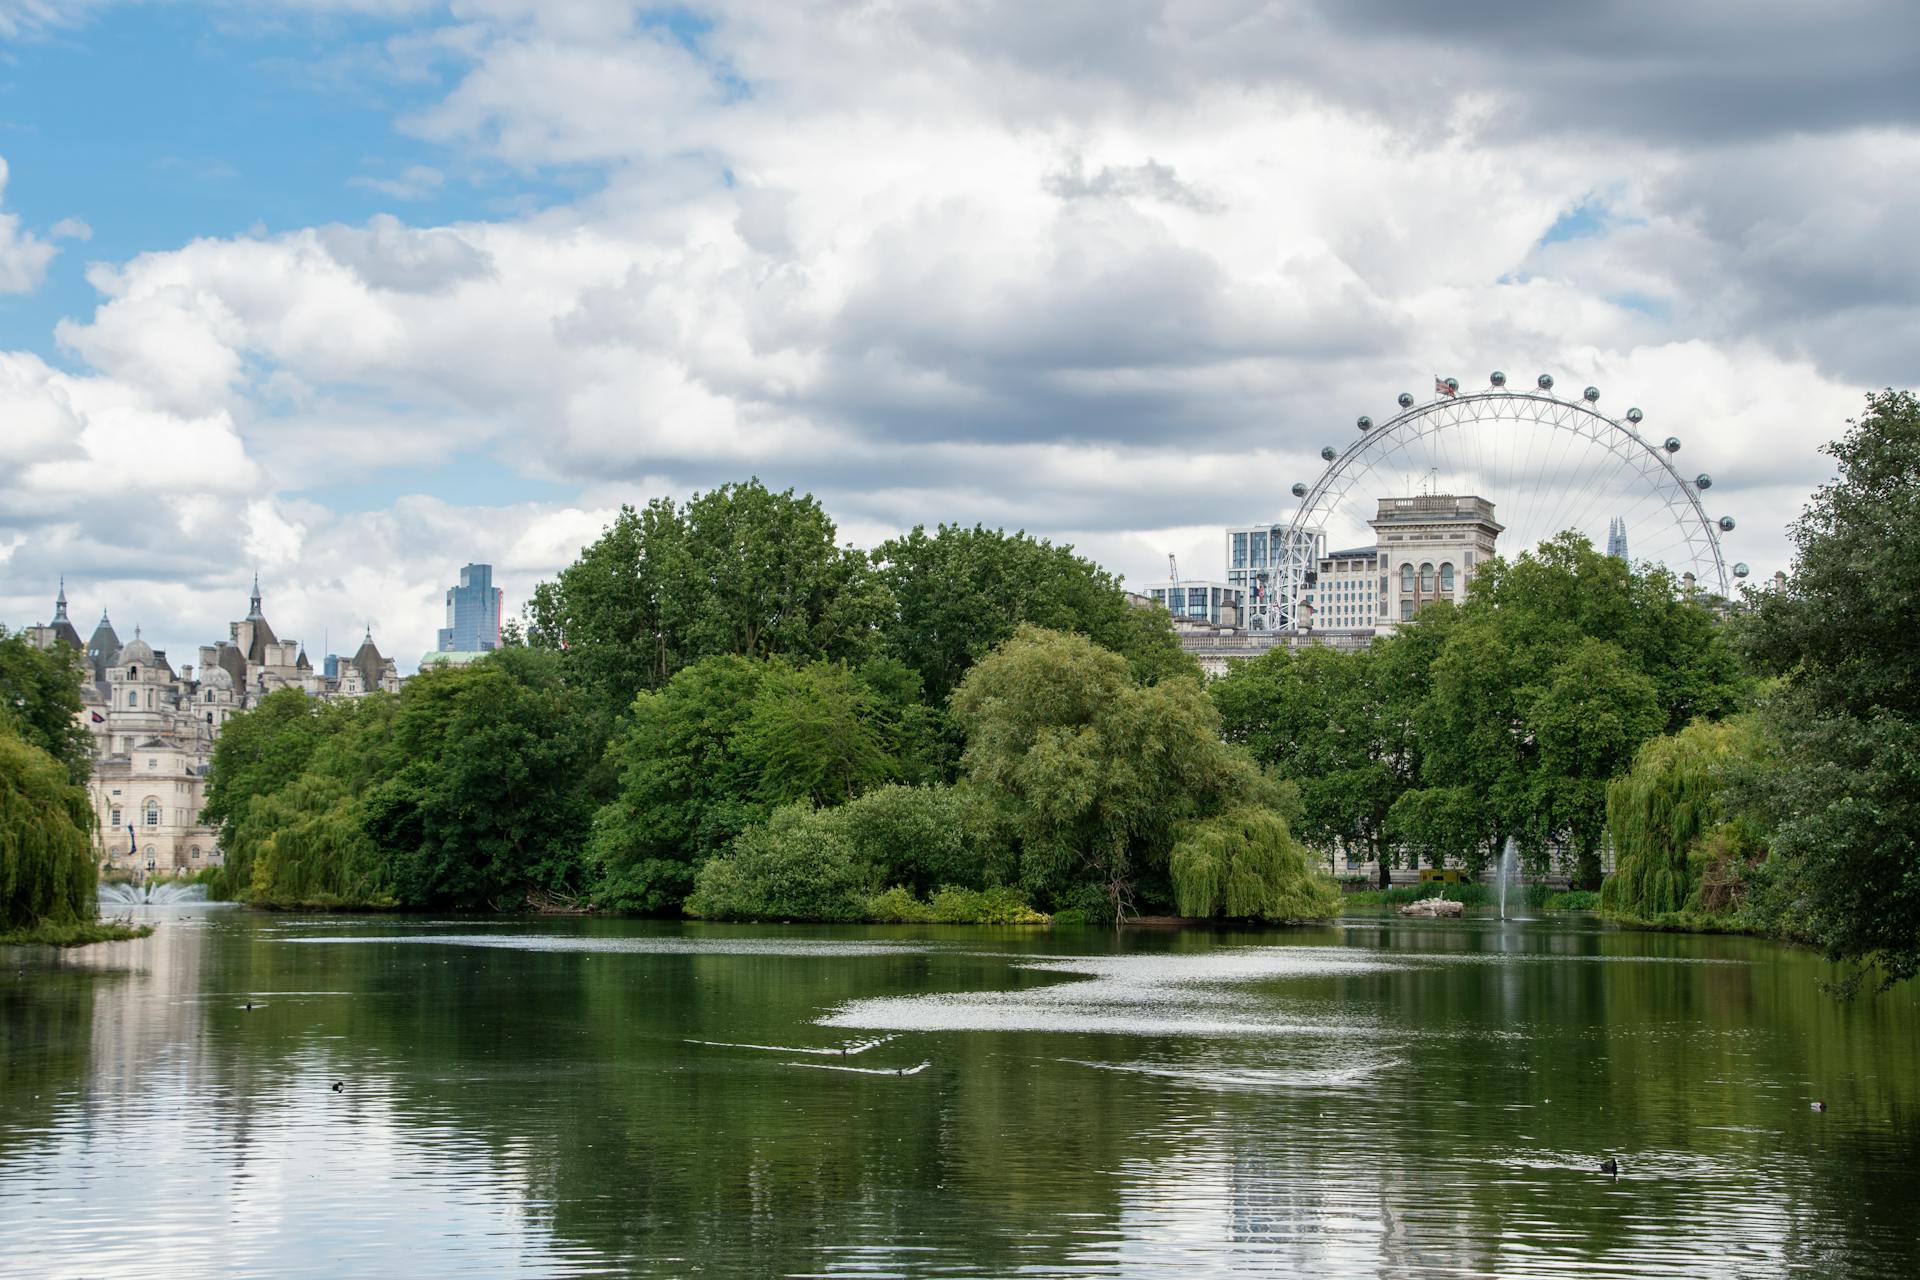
x=789, y=947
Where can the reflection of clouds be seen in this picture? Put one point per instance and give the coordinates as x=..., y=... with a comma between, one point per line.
x=1142, y=995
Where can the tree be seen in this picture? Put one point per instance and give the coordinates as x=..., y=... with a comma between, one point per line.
x=46, y=856
x=1246, y=864
x=737, y=571
x=40, y=701
x=1095, y=774
x=1662, y=812
x=1557, y=667
x=959, y=592
x=1844, y=821
x=721, y=745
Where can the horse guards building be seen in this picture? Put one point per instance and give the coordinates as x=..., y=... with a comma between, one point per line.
x=154, y=727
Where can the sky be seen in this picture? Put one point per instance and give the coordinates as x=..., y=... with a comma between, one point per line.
x=351, y=292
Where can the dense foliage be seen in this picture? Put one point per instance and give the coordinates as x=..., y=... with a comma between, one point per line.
x=1679, y=841
x=737, y=571
x=40, y=701
x=1843, y=808
x=474, y=786
x=1098, y=777
x=1504, y=717
x=46, y=855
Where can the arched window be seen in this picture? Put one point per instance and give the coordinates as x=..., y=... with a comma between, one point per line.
x=1426, y=579
x=1446, y=578
x=153, y=813
x=195, y=853
x=133, y=697
x=209, y=695
x=133, y=673
x=1406, y=578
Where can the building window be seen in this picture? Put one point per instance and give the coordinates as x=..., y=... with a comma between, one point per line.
x=1426, y=579
x=1446, y=578
x=1239, y=550
x=133, y=698
x=152, y=763
x=153, y=813
x=1406, y=611
x=133, y=673
x=115, y=824
x=1406, y=578
x=195, y=853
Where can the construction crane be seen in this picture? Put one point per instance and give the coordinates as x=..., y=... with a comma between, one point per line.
x=1176, y=604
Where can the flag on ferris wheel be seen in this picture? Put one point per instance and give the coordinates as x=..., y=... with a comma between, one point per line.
x=1441, y=387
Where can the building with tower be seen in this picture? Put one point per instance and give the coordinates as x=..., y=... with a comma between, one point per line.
x=153, y=727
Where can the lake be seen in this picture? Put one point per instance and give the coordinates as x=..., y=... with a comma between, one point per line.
x=481, y=1096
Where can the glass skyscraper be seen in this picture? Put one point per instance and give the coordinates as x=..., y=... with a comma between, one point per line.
x=473, y=613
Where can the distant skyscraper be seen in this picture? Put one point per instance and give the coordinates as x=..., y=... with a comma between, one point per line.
x=473, y=613
x=1617, y=537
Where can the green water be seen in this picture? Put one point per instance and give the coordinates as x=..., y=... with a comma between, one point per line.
x=612, y=1097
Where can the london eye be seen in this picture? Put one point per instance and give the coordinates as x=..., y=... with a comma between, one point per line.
x=1547, y=462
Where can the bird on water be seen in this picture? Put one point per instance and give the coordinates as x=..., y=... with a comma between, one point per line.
x=339, y=1086
x=1610, y=1166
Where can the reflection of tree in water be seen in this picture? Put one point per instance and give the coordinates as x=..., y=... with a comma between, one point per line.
x=46, y=1025
x=570, y=1076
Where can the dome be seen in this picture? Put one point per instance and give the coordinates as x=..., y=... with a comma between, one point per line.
x=218, y=679
x=138, y=653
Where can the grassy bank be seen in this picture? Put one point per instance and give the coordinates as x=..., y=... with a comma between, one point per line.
x=75, y=934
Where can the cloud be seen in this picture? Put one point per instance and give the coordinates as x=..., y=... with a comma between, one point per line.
x=1110, y=271
x=23, y=255
x=415, y=182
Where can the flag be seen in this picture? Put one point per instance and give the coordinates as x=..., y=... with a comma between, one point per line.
x=1442, y=388
x=97, y=717
x=133, y=841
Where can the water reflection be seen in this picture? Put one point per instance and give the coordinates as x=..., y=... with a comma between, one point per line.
x=596, y=1097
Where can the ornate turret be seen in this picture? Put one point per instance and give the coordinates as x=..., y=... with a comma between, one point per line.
x=253, y=602
x=62, y=626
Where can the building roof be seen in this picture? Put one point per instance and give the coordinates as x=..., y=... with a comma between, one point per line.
x=371, y=663
x=104, y=647
x=1351, y=553
x=62, y=626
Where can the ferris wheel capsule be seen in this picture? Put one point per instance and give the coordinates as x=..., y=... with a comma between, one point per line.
x=1740, y=570
x=1498, y=378
x=1329, y=453
x=1726, y=524
x=1453, y=384
x=1634, y=416
x=1406, y=400
x=1544, y=382
x=1299, y=490
x=1364, y=422
x=1591, y=395
x=1672, y=445
x=1703, y=480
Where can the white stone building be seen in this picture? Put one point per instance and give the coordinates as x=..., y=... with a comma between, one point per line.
x=1429, y=548
x=153, y=728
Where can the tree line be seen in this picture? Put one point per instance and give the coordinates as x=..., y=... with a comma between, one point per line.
x=719, y=710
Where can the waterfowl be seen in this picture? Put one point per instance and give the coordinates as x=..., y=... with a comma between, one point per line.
x=339, y=1086
x=1610, y=1166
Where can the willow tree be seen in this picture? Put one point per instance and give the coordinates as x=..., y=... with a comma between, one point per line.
x=46, y=857
x=1245, y=864
x=1669, y=818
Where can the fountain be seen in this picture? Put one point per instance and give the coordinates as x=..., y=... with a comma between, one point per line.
x=1509, y=872
x=161, y=894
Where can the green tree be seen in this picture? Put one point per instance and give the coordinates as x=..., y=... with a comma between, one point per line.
x=737, y=571
x=1094, y=773
x=798, y=865
x=1844, y=822
x=490, y=791
x=1662, y=813
x=959, y=592
x=40, y=701
x=46, y=855
x=1246, y=864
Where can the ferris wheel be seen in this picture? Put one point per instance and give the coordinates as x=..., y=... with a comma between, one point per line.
x=1548, y=463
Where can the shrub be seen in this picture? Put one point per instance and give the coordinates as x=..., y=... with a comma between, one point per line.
x=898, y=906
x=798, y=865
x=922, y=838
x=996, y=905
